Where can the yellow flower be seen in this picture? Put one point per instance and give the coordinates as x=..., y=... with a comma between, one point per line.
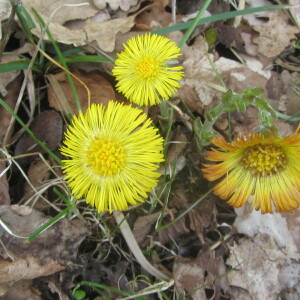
x=268, y=169
x=142, y=72
x=113, y=156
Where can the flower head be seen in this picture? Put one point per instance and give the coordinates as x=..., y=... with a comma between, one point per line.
x=142, y=72
x=113, y=153
x=266, y=168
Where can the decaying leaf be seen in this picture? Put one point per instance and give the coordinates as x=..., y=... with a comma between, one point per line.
x=155, y=17
x=274, y=225
x=267, y=262
x=275, y=35
x=258, y=262
x=200, y=75
x=48, y=253
x=60, y=94
x=22, y=290
x=194, y=275
x=103, y=33
x=143, y=225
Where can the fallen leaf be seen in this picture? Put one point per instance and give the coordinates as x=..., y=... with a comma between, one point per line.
x=273, y=225
x=63, y=13
x=61, y=98
x=262, y=269
x=103, y=33
x=22, y=290
x=50, y=252
x=192, y=274
x=275, y=34
x=190, y=98
x=143, y=226
x=200, y=76
x=154, y=17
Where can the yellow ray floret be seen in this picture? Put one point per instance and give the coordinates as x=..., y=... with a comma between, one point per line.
x=266, y=168
x=142, y=70
x=113, y=153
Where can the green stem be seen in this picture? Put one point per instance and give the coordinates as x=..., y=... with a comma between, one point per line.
x=195, y=22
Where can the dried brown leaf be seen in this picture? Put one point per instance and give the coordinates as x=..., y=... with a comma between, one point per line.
x=62, y=13
x=275, y=34
x=61, y=98
x=188, y=95
x=155, y=17
x=258, y=263
x=103, y=33
x=143, y=225
x=48, y=253
x=22, y=290
x=191, y=274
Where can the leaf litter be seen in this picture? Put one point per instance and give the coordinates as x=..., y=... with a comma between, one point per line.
x=213, y=251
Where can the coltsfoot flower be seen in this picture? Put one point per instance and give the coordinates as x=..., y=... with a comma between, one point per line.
x=142, y=70
x=113, y=154
x=268, y=169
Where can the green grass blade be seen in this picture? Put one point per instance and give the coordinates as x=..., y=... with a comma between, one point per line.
x=48, y=224
x=17, y=65
x=194, y=23
x=219, y=17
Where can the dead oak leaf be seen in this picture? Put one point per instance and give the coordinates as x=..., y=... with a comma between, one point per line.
x=62, y=13
x=275, y=35
x=103, y=33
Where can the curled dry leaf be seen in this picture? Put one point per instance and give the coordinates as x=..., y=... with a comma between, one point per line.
x=48, y=253
x=61, y=98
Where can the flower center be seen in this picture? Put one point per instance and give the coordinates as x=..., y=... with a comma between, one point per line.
x=264, y=160
x=106, y=156
x=147, y=67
